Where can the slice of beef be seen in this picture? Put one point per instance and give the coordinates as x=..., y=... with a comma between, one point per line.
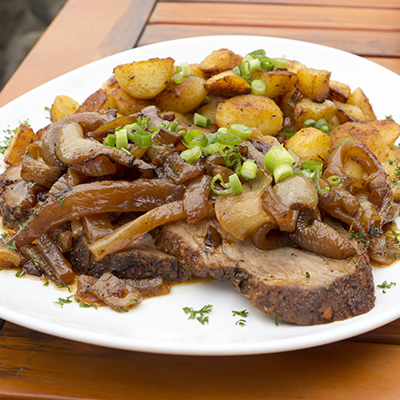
x=140, y=260
x=287, y=283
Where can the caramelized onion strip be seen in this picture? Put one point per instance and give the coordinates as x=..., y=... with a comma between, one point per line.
x=97, y=198
x=126, y=234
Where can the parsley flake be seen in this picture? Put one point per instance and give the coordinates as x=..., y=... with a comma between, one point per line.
x=61, y=302
x=199, y=314
x=384, y=285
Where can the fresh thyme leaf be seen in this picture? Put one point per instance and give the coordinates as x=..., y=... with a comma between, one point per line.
x=84, y=305
x=46, y=282
x=61, y=302
x=199, y=314
x=62, y=199
x=396, y=252
x=276, y=319
x=241, y=322
x=19, y=274
x=36, y=262
x=12, y=245
x=243, y=313
x=360, y=237
x=385, y=285
x=307, y=274
x=3, y=235
x=63, y=285
x=120, y=309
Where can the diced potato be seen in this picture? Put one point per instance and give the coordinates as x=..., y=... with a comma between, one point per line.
x=294, y=66
x=278, y=82
x=339, y=91
x=196, y=70
x=359, y=99
x=306, y=109
x=388, y=130
x=227, y=84
x=252, y=111
x=313, y=83
x=100, y=101
x=209, y=109
x=310, y=144
x=126, y=104
x=110, y=84
x=62, y=107
x=145, y=79
x=183, y=97
x=347, y=112
x=364, y=133
x=23, y=137
x=219, y=61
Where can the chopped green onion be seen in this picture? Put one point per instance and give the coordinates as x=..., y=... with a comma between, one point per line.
x=334, y=180
x=245, y=70
x=257, y=53
x=191, y=155
x=311, y=165
x=234, y=186
x=227, y=139
x=195, y=138
x=174, y=125
x=185, y=68
x=201, y=120
x=255, y=65
x=289, y=132
x=143, y=138
x=240, y=130
x=121, y=138
x=280, y=63
x=237, y=71
x=279, y=162
x=110, y=140
x=223, y=130
x=267, y=64
x=323, y=126
x=308, y=123
x=249, y=169
x=178, y=76
x=345, y=140
x=258, y=86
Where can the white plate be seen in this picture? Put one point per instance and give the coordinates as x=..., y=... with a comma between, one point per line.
x=159, y=324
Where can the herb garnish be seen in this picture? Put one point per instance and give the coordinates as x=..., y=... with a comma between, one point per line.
x=307, y=274
x=384, y=285
x=360, y=237
x=199, y=314
x=12, y=245
x=19, y=274
x=62, y=301
x=62, y=199
x=243, y=313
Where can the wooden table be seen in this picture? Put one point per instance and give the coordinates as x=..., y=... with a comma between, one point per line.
x=35, y=365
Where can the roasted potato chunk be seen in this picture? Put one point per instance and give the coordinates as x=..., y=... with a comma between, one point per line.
x=183, y=97
x=126, y=104
x=110, y=84
x=196, y=70
x=209, y=109
x=23, y=137
x=219, y=61
x=251, y=110
x=100, y=101
x=389, y=130
x=310, y=144
x=227, y=84
x=62, y=107
x=360, y=100
x=347, y=112
x=278, y=82
x=306, y=109
x=294, y=66
x=313, y=83
x=145, y=79
x=339, y=91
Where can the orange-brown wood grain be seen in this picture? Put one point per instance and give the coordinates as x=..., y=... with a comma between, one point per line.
x=34, y=365
x=274, y=15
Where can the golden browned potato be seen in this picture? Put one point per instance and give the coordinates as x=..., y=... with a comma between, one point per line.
x=251, y=110
x=110, y=83
x=23, y=137
x=219, y=61
x=210, y=108
x=310, y=144
x=183, y=97
x=100, y=101
x=306, y=109
x=294, y=66
x=62, y=107
x=196, y=70
x=126, y=104
x=359, y=99
x=339, y=91
x=388, y=130
x=347, y=112
x=227, y=84
x=313, y=83
x=278, y=82
x=145, y=79
x=186, y=119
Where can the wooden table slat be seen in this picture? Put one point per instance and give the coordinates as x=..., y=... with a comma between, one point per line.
x=273, y=15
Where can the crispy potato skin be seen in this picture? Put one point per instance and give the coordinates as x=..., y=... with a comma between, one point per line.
x=100, y=101
x=184, y=97
x=251, y=110
x=360, y=100
x=227, y=84
x=126, y=104
x=23, y=137
x=313, y=83
x=339, y=91
x=306, y=109
x=278, y=82
x=219, y=61
x=145, y=79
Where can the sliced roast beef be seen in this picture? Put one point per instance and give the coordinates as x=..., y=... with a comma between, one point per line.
x=287, y=283
x=140, y=260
